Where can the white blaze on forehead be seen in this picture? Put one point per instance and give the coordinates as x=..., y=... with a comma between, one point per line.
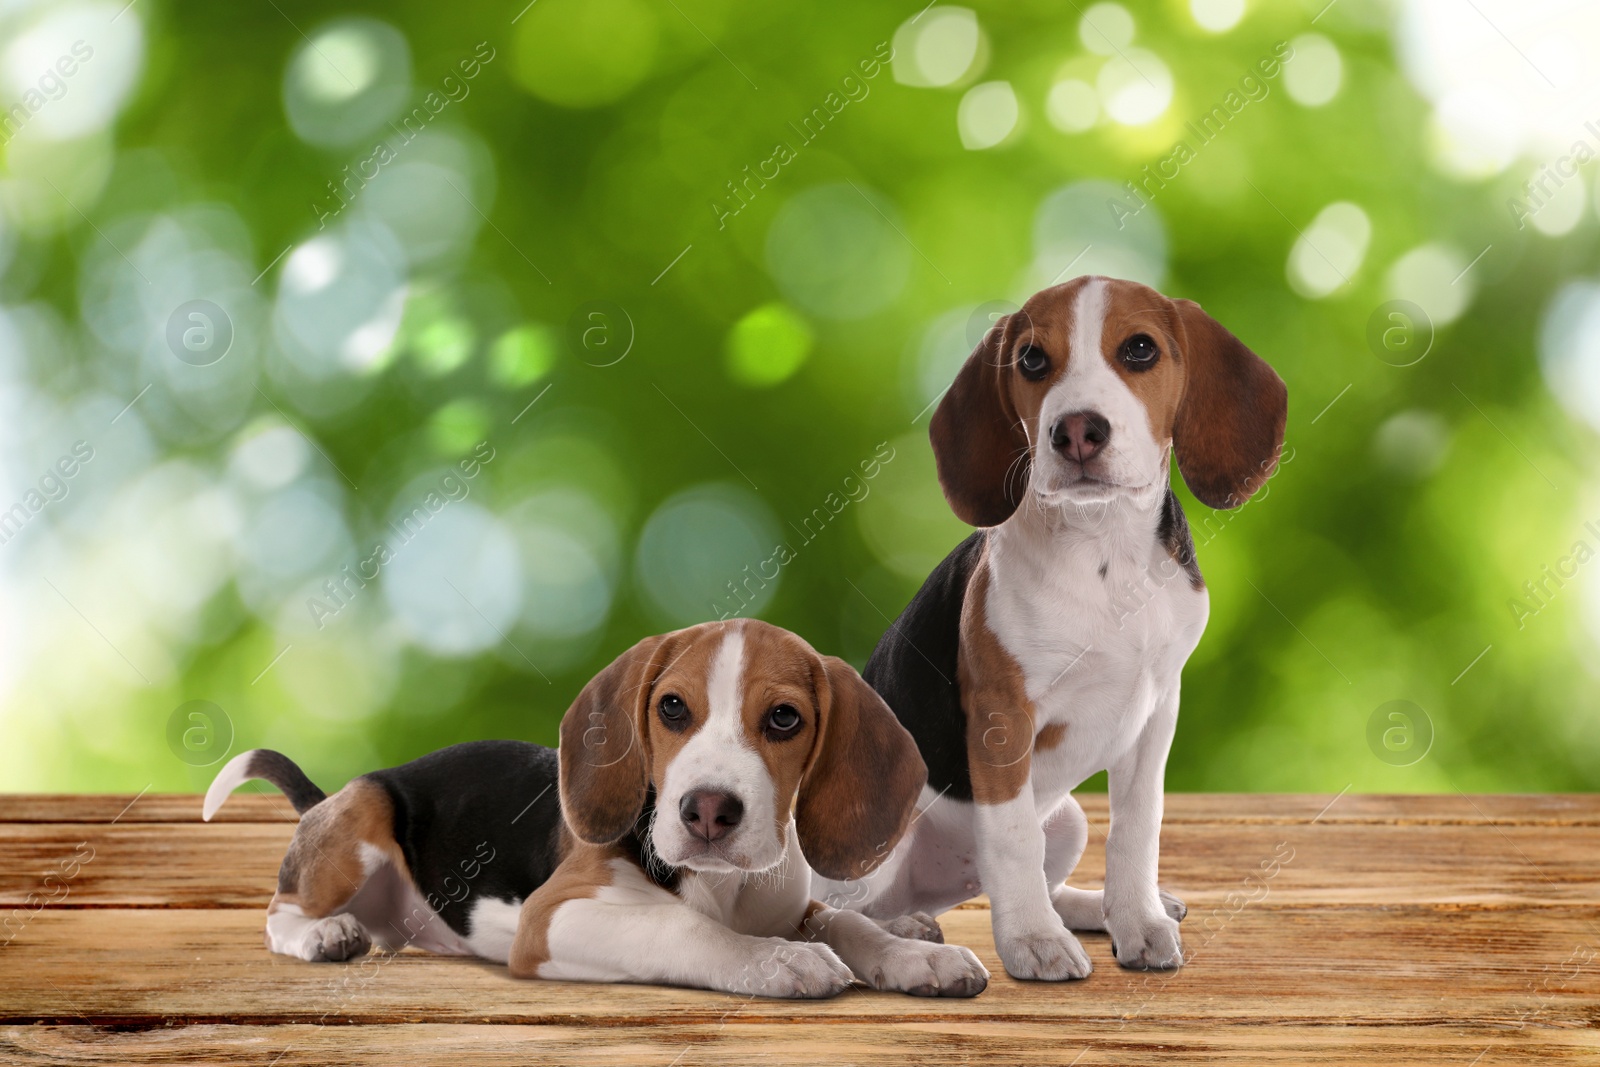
x=1088, y=322
x=725, y=683
x=1088, y=384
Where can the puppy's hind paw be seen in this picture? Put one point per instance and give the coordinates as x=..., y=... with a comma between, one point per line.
x=918, y=926
x=335, y=939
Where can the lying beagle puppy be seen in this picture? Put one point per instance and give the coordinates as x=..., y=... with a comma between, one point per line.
x=693, y=773
x=1048, y=646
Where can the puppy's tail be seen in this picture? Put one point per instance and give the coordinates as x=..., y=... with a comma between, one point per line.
x=269, y=766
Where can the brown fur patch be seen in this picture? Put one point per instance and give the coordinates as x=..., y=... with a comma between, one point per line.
x=1049, y=736
x=995, y=699
x=323, y=867
x=604, y=750
x=779, y=669
x=1229, y=429
x=1133, y=309
x=862, y=782
x=583, y=871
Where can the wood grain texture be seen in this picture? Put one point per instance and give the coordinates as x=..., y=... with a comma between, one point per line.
x=196, y=865
x=669, y=1044
x=1444, y=929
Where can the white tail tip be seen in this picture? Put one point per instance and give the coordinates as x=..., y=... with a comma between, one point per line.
x=234, y=773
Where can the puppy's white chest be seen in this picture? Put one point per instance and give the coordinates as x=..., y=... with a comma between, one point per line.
x=1097, y=650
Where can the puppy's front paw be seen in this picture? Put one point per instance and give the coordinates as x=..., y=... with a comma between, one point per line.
x=924, y=969
x=918, y=926
x=335, y=939
x=796, y=969
x=1044, y=956
x=1148, y=944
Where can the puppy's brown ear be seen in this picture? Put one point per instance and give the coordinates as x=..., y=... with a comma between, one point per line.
x=862, y=784
x=604, y=752
x=978, y=442
x=1229, y=427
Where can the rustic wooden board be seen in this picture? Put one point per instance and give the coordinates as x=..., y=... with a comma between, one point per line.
x=941, y=1044
x=1425, y=929
x=196, y=865
x=1364, y=965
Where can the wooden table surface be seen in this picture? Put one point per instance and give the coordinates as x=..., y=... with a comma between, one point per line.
x=1340, y=930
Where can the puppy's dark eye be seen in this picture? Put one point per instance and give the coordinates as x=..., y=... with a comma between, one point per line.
x=1139, y=352
x=1033, y=362
x=674, y=712
x=782, y=721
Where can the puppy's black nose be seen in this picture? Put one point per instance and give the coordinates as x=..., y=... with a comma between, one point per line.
x=1080, y=436
x=710, y=814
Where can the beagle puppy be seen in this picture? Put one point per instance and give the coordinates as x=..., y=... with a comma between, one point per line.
x=1049, y=645
x=667, y=840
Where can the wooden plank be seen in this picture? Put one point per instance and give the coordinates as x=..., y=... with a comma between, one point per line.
x=893, y=1044
x=268, y=805
x=235, y=865
x=1576, y=809
x=1437, y=967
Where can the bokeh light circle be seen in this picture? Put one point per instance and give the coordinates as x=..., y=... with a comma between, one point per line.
x=937, y=47
x=706, y=552
x=1217, y=16
x=987, y=115
x=346, y=81
x=340, y=298
x=1076, y=232
x=1135, y=87
x=585, y=54
x=837, y=252
x=1106, y=29
x=456, y=584
x=1073, y=106
x=1313, y=77
x=1330, y=251
x=1569, y=349
x=767, y=346
x=1436, y=277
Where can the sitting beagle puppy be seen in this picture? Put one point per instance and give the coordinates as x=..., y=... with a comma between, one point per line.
x=1048, y=646
x=666, y=840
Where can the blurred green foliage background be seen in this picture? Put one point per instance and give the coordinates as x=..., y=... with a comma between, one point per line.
x=428, y=356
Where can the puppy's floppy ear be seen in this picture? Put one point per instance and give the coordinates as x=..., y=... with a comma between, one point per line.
x=605, y=751
x=978, y=442
x=863, y=781
x=1229, y=428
